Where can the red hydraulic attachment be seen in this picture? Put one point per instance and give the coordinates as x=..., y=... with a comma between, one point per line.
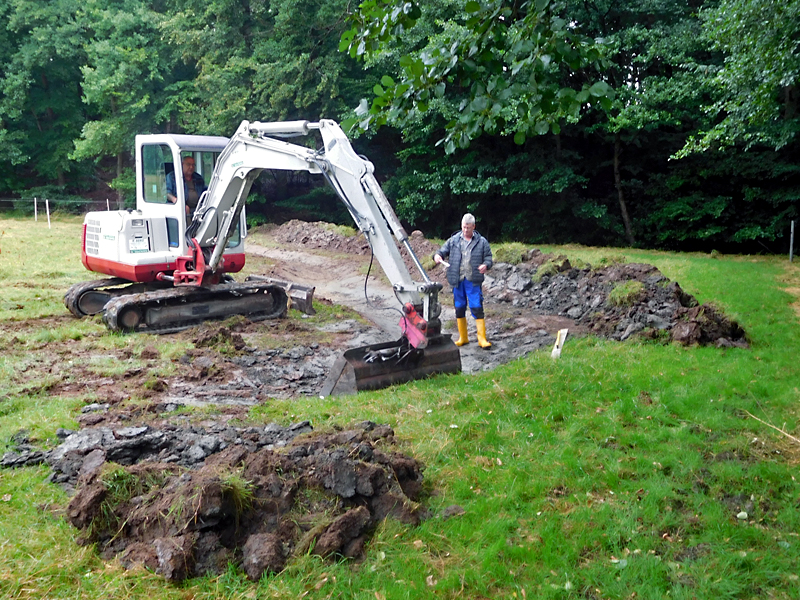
x=414, y=327
x=190, y=270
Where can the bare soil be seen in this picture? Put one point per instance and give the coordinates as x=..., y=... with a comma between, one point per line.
x=185, y=495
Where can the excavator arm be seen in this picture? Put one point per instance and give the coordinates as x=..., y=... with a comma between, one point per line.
x=422, y=350
x=254, y=147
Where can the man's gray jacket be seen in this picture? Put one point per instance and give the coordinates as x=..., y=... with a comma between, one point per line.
x=481, y=255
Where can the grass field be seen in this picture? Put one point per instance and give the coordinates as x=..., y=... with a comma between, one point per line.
x=621, y=470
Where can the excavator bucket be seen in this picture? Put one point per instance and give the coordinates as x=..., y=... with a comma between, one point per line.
x=301, y=296
x=381, y=365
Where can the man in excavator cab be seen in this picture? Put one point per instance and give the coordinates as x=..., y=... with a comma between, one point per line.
x=193, y=185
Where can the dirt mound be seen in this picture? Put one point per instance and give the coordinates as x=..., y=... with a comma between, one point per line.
x=424, y=249
x=191, y=501
x=320, y=235
x=617, y=301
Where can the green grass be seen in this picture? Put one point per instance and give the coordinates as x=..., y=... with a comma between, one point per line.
x=625, y=293
x=618, y=469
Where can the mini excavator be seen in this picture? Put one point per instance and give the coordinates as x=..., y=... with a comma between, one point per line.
x=168, y=271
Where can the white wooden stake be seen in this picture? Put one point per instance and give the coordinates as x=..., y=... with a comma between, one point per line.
x=35, y=210
x=561, y=337
x=47, y=206
x=108, y=206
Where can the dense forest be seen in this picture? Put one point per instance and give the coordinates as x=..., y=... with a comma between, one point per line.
x=652, y=123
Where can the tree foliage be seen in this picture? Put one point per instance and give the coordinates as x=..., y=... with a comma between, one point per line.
x=40, y=97
x=756, y=95
x=513, y=68
x=647, y=122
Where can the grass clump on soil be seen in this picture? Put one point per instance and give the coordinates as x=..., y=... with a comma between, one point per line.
x=512, y=253
x=618, y=470
x=343, y=230
x=238, y=489
x=556, y=264
x=625, y=293
x=120, y=486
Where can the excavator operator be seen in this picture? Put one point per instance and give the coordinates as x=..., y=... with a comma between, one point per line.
x=193, y=185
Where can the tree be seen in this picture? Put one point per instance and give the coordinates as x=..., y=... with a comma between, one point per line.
x=127, y=78
x=756, y=87
x=40, y=93
x=265, y=60
x=652, y=49
x=505, y=67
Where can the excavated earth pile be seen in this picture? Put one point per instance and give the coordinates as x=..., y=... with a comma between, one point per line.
x=655, y=308
x=190, y=502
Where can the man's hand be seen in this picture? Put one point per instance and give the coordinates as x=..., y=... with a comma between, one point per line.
x=438, y=259
x=482, y=269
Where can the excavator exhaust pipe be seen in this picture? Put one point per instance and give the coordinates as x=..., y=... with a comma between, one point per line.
x=381, y=365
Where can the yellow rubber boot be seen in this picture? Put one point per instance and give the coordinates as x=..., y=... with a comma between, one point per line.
x=462, y=332
x=480, y=325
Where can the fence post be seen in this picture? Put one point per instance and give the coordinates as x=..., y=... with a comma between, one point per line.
x=108, y=206
x=35, y=211
x=47, y=206
x=791, y=244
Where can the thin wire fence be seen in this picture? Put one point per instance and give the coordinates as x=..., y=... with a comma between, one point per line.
x=46, y=206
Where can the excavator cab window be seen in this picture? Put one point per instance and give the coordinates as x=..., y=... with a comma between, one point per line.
x=156, y=163
x=172, y=232
x=236, y=237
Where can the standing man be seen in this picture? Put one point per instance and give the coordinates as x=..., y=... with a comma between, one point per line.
x=470, y=258
x=193, y=185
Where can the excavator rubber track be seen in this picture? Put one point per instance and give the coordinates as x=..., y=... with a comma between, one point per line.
x=176, y=309
x=89, y=297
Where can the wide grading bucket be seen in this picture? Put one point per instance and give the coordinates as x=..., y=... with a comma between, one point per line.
x=381, y=365
x=301, y=297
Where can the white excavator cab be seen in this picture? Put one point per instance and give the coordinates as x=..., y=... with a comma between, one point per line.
x=138, y=245
x=159, y=172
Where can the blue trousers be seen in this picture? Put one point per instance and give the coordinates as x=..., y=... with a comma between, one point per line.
x=470, y=293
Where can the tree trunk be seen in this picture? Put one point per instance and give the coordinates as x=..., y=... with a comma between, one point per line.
x=120, y=200
x=620, y=193
x=790, y=99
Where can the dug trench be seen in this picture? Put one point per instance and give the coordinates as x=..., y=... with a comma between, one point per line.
x=183, y=496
